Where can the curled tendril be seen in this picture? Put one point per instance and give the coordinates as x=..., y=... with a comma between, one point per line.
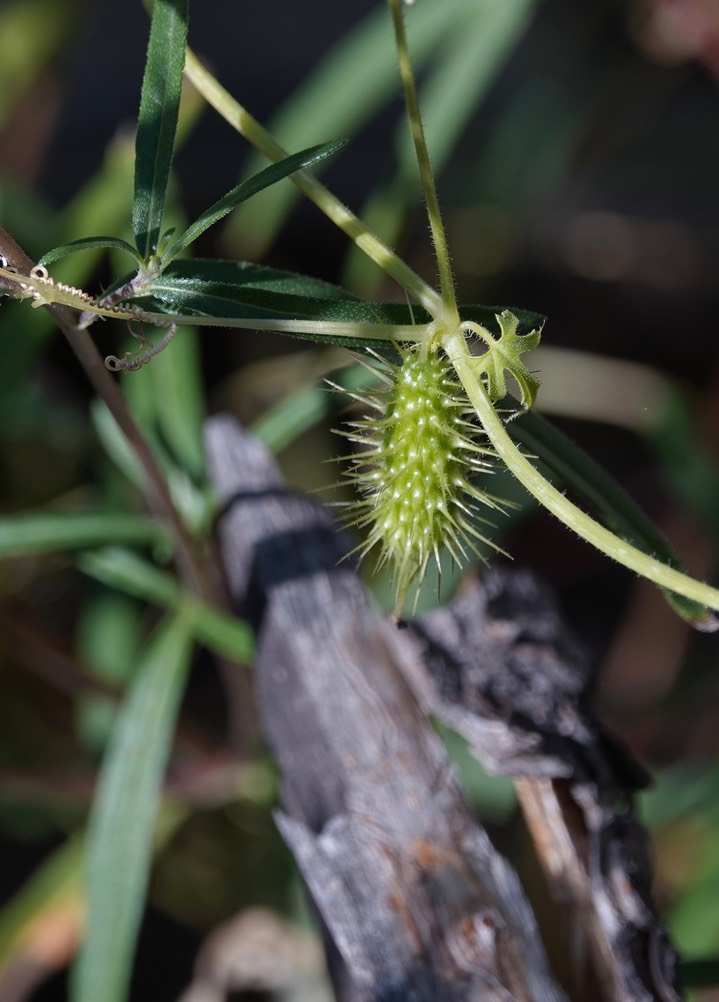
x=134, y=360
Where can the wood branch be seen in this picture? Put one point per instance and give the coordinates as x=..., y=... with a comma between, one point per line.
x=416, y=902
x=503, y=672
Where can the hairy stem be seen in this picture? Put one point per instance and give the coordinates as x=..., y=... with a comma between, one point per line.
x=429, y=188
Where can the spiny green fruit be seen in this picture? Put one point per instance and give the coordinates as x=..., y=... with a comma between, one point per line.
x=416, y=470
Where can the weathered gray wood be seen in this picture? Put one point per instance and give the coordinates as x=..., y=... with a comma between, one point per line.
x=503, y=672
x=416, y=901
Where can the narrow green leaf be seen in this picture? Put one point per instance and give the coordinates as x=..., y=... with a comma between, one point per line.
x=157, y=122
x=235, y=291
x=270, y=175
x=222, y=633
x=89, y=243
x=120, y=837
x=49, y=531
x=572, y=467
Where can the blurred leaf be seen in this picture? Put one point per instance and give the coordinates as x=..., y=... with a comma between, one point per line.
x=694, y=919
x=157, y=122
x=465, y=64
x=53, y=890
x=301, y=409
x=492, y=796
x=270, y=175
x=342, y=93
x=225, y=634
x=115, y=444
x=31, y=32
x=120, y=835
x=108, y=638
x=681, y=791
x=566, y=463
x=44, y=532
x=191, y=496
x=686, y=459
x=176, y=376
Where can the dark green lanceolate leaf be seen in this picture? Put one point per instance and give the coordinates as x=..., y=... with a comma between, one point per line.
x=239, y=291
x=270, y=175
x=229, y=285
x=571, y=466
x=157, y=122
x=89, y=243
x=504, y=353
x=120, y=843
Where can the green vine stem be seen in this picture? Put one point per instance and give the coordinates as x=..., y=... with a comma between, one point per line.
x=429, y=188
x=573, y=517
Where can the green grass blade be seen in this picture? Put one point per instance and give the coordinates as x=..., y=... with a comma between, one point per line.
x=226, y=635
x=120, y=837
x=258, y=182
x=46, y=532
x=157, y=123
x=571, y=466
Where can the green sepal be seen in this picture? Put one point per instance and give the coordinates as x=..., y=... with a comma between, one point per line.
x=503, y=354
